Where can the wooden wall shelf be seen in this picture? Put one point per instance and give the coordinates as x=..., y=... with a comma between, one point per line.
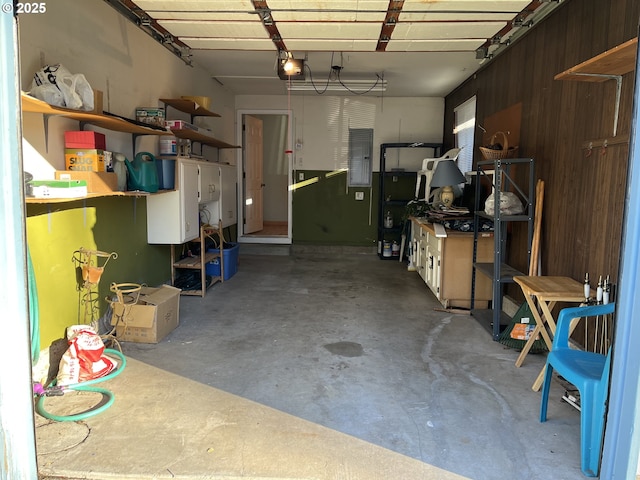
x=194, y=110
x=609, y=65
x=116, y=124
x=189, y=106
x=201, y=138
x=91, y=196
x=619, y=60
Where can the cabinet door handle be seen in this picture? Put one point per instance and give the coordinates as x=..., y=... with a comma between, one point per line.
x=430, y=262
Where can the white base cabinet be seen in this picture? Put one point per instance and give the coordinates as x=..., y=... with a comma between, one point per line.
x=445, y=264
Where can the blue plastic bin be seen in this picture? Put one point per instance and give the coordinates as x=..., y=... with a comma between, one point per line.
x=230, y=262
x=166, y=173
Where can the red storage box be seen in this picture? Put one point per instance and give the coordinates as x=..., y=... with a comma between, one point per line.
x=88, y=139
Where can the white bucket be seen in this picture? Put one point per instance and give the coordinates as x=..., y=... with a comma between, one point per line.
x=168, y=146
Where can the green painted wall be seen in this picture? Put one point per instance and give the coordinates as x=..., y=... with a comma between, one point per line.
x=109, y=224
x=325, y=212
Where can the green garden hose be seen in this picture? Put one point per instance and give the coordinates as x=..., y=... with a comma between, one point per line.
x=34, y=312
x=84, y=387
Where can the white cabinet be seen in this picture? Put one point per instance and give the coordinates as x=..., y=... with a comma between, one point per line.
x=208, y=182
x=173, y=217
x=218, y=193
x=445, y=264
x=205, y=191
x=420, y=250
x=432, y=270
x=229, y=195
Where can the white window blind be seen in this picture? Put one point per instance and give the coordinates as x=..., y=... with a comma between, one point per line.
x=465, y=126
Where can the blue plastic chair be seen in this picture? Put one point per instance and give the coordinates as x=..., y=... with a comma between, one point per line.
x=589, y=372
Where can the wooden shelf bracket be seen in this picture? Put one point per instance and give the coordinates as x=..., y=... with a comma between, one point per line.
x=609, y=65
x=618, y=79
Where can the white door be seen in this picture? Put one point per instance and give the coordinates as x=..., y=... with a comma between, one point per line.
x=253, y=175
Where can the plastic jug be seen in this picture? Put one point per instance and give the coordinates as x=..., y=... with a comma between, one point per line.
x=143, y=173
x=120, y=169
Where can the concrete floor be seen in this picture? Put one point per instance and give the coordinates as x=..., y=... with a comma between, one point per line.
x=319, y=366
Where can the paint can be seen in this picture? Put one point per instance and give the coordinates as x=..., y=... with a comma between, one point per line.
x=386, y=249
x=168, y=146
x=395, y=249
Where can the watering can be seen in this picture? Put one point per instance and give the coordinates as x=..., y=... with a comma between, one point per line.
x=143, y=173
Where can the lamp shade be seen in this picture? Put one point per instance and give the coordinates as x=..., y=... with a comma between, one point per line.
x=447, y=173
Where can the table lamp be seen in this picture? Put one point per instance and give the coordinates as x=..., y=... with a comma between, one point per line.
x=446, y=175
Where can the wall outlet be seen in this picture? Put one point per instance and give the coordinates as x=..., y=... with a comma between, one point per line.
x=300, y=175
x=359, y=195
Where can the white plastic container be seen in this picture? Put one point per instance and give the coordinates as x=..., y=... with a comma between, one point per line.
x=168, y=146
x=388, y=220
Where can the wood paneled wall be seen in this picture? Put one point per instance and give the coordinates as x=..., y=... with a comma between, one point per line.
x=584, y=191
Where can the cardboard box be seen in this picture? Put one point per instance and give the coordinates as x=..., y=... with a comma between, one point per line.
x=180, y=125
x=98, y=104
x=85, y=140
x=151, y=318
x=97, y=182
x=150, y=115
x=84, y=159
x=59, y=188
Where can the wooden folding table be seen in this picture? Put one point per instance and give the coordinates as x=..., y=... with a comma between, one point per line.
x=546, y=291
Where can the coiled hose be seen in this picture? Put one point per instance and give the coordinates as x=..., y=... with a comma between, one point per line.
x=85, y=387
x=34, y=321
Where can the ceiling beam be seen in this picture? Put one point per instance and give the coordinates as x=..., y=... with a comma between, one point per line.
x=264, y=12
x=390, y=21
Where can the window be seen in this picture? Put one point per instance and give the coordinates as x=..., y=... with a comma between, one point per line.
x=465, y=126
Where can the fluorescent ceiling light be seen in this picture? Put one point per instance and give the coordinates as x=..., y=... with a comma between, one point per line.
x=359, y=86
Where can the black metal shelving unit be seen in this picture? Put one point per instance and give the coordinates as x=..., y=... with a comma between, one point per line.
x=499, y=271
x=396, y=205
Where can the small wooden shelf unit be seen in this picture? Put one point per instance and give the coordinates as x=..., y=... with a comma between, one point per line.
x=199, y=262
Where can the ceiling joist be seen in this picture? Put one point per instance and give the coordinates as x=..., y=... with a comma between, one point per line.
x=390, y=21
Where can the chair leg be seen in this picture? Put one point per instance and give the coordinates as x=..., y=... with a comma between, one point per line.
x=544, y=400
x=591, y=424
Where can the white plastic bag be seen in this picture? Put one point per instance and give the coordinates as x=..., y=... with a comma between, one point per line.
x=84, y=91
x=48, y=93
x=510, y=204
x=74, y=90
x=84, y=360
